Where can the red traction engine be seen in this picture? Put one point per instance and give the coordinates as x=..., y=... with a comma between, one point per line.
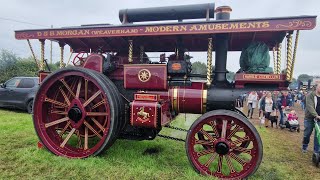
x=115, y=90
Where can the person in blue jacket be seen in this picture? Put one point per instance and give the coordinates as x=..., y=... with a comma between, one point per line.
x=284, y=102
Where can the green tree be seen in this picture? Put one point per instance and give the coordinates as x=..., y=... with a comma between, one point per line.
x=199, y=68
x=304, y=77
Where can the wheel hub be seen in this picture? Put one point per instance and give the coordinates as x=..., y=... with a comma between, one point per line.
x=75, y=114
x=222, y=148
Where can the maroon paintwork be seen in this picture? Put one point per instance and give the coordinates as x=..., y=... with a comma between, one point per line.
x=243, y=79
x=211, y=126
x=46, y=113
x=246, y=25
x=165, y=114
x=156, y=76
x=94, y=62
x=144, y=114
x=146, y=97
x=159, y=37
x=43, y=75
x=187, y=99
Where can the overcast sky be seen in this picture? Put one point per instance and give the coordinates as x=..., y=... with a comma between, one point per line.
x=77, y=12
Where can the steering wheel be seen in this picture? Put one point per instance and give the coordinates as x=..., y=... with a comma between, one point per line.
x=80, y=58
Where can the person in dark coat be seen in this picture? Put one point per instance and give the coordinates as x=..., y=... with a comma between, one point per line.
x=284, y=102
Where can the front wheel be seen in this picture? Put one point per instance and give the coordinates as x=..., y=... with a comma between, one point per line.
x=219, y=151
x=76, y=113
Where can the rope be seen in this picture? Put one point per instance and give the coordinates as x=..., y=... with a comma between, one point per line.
x=130, y=51
x=279, y=59
x=42, y=55
x=294, y=52
x=61, y=55
x=32, y=52
x=274, y=61
x=209, y=62
x=70, y=57
x=289, y=57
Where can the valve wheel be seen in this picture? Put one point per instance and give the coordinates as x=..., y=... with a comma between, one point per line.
x=219, y=150
x=76, y=113
x=80, y=58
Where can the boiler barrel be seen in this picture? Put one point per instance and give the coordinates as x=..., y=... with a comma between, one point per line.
x=195, y=11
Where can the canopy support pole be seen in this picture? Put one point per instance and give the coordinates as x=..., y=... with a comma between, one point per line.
x=295, y=52
x=209, y=62
x=61, y=54
x=42, y=41
x=289, y=57
x=278, y=71
x=130, y=51
x=33, y=55
x=70, y=57
x=141, y=54
x=274, y=60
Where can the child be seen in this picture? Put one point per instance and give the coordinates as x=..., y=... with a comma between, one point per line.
x=293, y=118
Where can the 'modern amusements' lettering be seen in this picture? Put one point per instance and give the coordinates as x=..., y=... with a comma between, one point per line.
x=145, y=30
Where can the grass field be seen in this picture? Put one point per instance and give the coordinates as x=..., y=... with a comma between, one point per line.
x=21, y=159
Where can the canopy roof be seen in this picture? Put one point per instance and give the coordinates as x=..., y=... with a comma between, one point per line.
x=163, y=37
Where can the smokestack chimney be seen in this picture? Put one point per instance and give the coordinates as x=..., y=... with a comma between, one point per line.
x=223, y=12
x=221, y=47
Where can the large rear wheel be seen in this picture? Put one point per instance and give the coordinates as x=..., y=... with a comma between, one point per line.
x=219, y=150
x=76, y=113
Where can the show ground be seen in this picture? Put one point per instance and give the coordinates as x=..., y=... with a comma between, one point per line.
x=21, y=159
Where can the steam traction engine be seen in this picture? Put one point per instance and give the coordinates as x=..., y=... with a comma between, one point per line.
x=116, y=91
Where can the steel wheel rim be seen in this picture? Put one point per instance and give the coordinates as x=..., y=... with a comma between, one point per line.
x=55, y=88
x=214, y=162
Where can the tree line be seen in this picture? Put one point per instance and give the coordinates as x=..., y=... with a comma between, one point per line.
x=12, y=66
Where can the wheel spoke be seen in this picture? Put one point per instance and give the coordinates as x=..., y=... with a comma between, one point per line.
x=220, y=164
x=56, y=122
x=211, y=159
x=59, y=112
x=92, y=129
x=67, y=138
x=233, y=132
x=204, y=142
x=64, y=96
x=241, y=149
x=241, y=140
x=230, y=165
x=214, y=129
x=55, y=102
x=85, y=89
x=91, y=98
x=68, y=87
x=98, y=124
x=224, y=128
x=78, y=88
x=85, y=138
x=205, y=133
x=98, y=104
x=238, y=159
x=96, y=114
x=79, y=139
x=64, y=129
x=205, y=152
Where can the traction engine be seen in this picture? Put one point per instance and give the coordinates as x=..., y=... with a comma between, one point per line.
x=115, y=90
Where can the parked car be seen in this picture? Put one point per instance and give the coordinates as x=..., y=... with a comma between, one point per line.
x=19, y=93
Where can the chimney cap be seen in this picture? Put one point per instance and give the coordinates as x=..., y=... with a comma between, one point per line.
x=223, y=9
